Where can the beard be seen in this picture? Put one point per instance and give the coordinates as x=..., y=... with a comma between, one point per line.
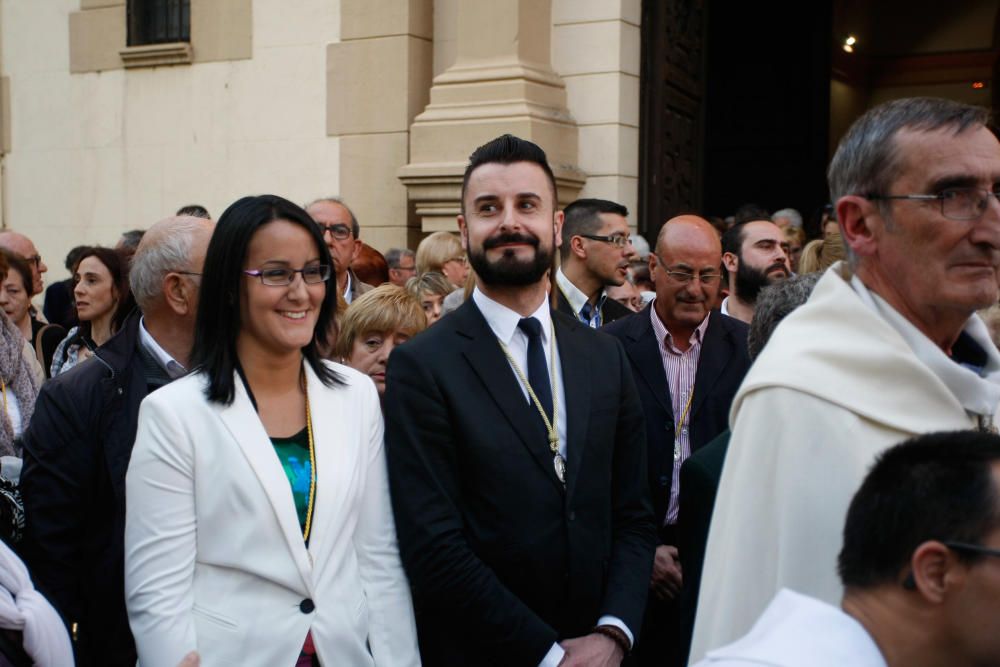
x=508, y=270
x=750, y=280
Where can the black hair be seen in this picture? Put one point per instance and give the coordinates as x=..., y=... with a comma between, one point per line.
x=194, y=210
x=117, y=264
x=218, y=322
x=17, y=263
x=749, y=213
x=508, y=149
x=583, y=217
x=732, y=239
x=73, y=256
x=933, y=487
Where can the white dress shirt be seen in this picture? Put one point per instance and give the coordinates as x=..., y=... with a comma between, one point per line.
x=503, y=322
x=576, y=300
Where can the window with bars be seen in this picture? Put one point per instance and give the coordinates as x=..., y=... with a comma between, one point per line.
x=158, y=21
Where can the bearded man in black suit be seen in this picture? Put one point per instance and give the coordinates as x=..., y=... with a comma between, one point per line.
x=516, y=451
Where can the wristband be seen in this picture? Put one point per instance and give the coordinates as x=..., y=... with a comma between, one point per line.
x=616, y=635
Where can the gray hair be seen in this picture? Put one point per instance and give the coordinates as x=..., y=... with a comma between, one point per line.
x=774, y=303
x=794, y=217
x=394, y=256
x=160, y=253
x=355, y=227
x=867, y=160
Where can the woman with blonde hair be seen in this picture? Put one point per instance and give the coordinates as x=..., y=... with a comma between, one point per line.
x=374, y=324
x=821, y=254
x=430, y=289
x=442, y=252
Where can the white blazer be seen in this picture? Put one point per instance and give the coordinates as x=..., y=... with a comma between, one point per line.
x=214, y=556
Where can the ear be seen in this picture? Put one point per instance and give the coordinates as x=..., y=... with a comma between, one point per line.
x=557, y=223
x=858, y=218
x=463, y=230
x=730, y=261
x=936, y=570
x=652, y=266
x=177, y=293
x=576, y=247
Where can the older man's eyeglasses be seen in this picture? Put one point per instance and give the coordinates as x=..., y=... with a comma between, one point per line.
x=280, y=276
x=956, y=203
x=685, y=276
x=338, y=232
x=35, y=259
x=617, y=240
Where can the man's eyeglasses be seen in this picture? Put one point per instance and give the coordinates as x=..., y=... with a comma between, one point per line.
x=972, y=548
x=282, y=276
x=685, y=277
x=617, y=240
x=338, y=232
x=956, y=203
x=36, y=259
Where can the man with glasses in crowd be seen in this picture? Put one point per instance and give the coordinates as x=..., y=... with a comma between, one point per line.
x=342, y=234
x=887, y=347
x=402, y=265
x=688, y=360
x=595, y=254
x=20, y=244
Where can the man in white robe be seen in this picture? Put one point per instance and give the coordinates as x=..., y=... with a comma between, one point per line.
x=910, y=600
x=887, y=347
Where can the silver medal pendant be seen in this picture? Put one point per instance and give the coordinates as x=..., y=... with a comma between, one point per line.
x=559, y=463
x=677, y=450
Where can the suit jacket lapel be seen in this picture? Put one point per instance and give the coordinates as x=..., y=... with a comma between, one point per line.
x=716, y=350
x=576, y=376
x=488, y=361
x=644, y=351
x=245, y=426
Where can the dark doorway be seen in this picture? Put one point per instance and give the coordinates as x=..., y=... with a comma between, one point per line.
x=735, y=107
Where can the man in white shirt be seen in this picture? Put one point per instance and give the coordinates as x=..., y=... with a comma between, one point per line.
x=595, y=254
x=920, y=565
x=516, y=451
x=887, y=347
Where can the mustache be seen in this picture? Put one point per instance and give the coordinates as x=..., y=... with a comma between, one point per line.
x=509, y=237
x=777, y=265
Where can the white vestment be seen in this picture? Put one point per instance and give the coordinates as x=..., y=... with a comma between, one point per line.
x=836, y=385
x=799, y=631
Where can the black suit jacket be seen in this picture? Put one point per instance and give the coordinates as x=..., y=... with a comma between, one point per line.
x=502, y=560
x=723, y=362
x=610, y=311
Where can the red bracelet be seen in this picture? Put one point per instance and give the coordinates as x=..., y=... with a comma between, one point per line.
x=615, y=634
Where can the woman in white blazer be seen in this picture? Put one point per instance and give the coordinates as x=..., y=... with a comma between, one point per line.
x=258, y=528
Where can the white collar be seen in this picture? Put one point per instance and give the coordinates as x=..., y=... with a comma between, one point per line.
x=574, y=296
x=503, y=321
x=724, y=307
x=162, y=356
x=347, y=288
x=979, y=395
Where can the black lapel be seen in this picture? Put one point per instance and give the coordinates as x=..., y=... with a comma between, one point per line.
x=716, y=350
x=575, y=361
x=644, y=352
x=563, y=304
x=488, y=361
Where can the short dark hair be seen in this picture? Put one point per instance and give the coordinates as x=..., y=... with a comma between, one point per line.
x=508, y=149
x=394, y=256
x=131, y=238
x=194, y=210
x=17, y=263
x=749, y=213
x=218, y=322
x=73, y=256
x=732, y=238
x=583, y=217
x=937, y=486
x=117, y=264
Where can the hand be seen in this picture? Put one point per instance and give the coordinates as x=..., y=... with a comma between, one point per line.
x=666, y=579
x=190, y=660
x=593, y=650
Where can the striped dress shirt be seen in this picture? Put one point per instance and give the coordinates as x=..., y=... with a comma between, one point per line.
x=681, y=369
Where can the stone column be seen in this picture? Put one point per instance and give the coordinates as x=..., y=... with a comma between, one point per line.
x=500, y=81
x=378, y=78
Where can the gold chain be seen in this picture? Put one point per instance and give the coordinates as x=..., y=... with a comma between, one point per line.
x=312, y=470
x=550, y=426
x=680, y=427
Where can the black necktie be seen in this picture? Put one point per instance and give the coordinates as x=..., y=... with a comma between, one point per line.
x=538, y=372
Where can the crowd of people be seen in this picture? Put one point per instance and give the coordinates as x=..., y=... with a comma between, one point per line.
x=541, y=441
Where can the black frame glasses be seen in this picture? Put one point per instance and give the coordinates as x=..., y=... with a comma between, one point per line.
x=972, y=548
x=338, y=232
x=617, y=240
x=282, y=276
x=956, y=203
x=35, y=259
